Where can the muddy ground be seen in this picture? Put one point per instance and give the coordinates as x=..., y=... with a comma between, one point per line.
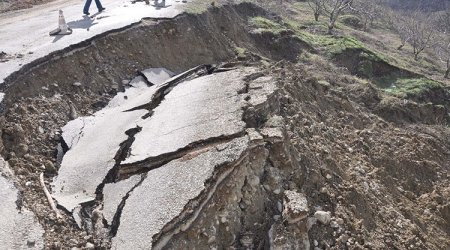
x=383, y=177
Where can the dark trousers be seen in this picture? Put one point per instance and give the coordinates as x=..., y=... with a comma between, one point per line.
x=88, y=4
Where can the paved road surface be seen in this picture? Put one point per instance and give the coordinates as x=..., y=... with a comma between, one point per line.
x=24, y=34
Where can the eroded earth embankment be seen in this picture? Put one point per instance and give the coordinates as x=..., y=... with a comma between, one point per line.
x=155, y=136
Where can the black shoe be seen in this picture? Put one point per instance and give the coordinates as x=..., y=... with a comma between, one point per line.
x=86, y=13
x=102, y=9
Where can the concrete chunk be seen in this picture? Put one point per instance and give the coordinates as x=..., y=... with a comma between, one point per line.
x=295, y=206
x=156, y=76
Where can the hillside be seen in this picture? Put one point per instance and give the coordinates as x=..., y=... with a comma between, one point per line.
x=241, y=125
x=428, y=5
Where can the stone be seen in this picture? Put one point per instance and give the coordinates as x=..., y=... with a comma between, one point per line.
x=334, y=224
x=340, y=221
x=89, y=246
x=31, y=243
x=50, y=167
x=22, y=149
x=323, y=217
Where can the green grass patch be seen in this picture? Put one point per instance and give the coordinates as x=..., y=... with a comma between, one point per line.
x=408, y=87
x=332, y=45
x=199, y=7
x=263, y=24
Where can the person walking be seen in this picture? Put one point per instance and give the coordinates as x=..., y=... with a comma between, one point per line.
x=88, y=4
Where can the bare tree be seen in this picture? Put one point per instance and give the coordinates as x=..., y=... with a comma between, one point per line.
x=367, y=10
x=316, y=6
x=421, y=32
x=277, y=6
x=333, y=9
x=442, y=51
x=442, y=45
x=399, y=23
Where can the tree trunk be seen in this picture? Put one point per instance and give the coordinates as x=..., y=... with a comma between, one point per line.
x=416, y=53
x=330, y=27
x=316, y=16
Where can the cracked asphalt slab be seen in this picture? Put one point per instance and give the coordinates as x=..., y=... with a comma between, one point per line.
x=157, y=76
x=166, y=191
x=195, y=110
x=192, y=111
x=114, y=193
x=19, y=229
x=94, y=142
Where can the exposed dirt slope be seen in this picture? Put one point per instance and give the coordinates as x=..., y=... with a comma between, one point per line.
x=10, y=5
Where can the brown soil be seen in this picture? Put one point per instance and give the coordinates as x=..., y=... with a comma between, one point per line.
x=387, y=180
x=10, y=5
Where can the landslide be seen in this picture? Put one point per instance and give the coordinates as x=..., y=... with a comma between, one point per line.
x=376, y=164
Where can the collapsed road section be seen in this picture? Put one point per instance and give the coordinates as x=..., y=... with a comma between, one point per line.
x=152, y=160
x=250, y=154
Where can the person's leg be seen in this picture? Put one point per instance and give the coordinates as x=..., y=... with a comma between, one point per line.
x=99, y=5
x=86, y=6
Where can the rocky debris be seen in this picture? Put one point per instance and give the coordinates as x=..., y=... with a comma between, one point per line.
x=19, y=228
x=294, y=233
x=288, y=237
